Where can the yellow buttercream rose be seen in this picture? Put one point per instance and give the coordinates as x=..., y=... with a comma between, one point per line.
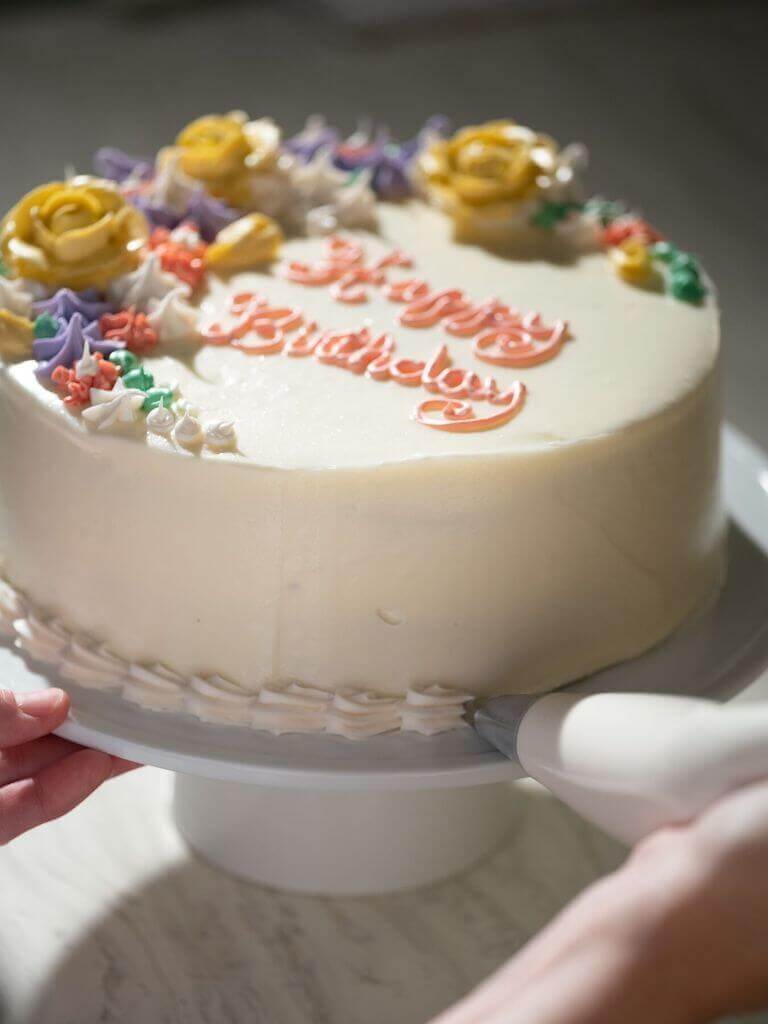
x=249, y=241
x=76, y=234
x=632, y=261
x=223, y=151
x=487, y=169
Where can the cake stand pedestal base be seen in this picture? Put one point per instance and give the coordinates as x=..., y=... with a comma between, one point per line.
x=341, y=841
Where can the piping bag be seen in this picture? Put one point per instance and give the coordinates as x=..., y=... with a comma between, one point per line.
x=630, y=763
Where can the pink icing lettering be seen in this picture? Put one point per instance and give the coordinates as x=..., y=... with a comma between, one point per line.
x=303, y=343
x=255, y=316
x=521, y=346
x=407, y=290
x=349, y=288
x=459, y=416
x=503, y=336
x=468, y=322
x=396, y=258
x=432, y=307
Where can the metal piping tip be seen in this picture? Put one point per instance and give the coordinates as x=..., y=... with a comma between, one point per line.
x=471, y=709
x=497, y=719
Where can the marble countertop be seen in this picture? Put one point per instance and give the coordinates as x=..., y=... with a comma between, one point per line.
x=105, y=916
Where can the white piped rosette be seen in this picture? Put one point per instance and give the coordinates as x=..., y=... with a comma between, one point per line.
x=358, y=714
x=432, y=708
x=323, y=199
x=120, y=405
x=188, y=431
x=220, y=435
x=174, y=319
x=161, y=420
x=155, y=687
x=93, y=667
x=216, y=699
x=148, y=283
x=293, y=708
x=171, y=187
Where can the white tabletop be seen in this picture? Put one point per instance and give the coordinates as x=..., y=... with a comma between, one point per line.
x=104, y=916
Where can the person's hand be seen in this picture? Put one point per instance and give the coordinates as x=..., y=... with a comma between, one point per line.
x=43, y=776
x=678, y=935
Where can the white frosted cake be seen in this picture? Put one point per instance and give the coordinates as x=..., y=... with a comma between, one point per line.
x=333, y=434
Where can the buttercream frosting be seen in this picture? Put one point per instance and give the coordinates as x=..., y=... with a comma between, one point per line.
x=174, y=318
x=216, y=699
x=68, y=345
x=87, y=365
x=171, y=187
x=188, y=430
x=65, y=302
x=323, y=199
x=358, y=714
x=161, y=420
x=220, y=435
x=155, y=687
x=92, y=666
x=109, y=408
x=433, y=708
x=149, y=282
x=294, y=707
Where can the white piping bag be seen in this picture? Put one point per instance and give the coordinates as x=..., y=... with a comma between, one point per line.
x=629, y=762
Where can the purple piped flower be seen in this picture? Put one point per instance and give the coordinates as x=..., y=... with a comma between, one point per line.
x=116, y=165
x=315, y=135
x=209, y=214
x=391, y=179
x=158, y=215
x=388, y=162
x=65, y=303
x=64, y=348
x=392, y=172
x=436, y=127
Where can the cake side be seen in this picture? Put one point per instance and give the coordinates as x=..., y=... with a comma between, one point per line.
x=458, y=571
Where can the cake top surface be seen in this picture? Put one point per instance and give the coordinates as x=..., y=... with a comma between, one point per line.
x=454, y=298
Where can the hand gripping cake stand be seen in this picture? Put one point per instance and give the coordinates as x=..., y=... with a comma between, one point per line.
x=323, y=814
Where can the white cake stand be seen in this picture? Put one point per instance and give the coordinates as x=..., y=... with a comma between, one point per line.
x=328, y=815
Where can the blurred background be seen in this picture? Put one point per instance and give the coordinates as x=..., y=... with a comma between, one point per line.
x=669, y=97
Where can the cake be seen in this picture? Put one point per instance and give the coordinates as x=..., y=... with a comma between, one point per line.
x=334, y=434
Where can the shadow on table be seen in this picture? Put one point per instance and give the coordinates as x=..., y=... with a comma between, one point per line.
x=193, y=945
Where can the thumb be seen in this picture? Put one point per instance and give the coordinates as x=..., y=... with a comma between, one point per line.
x=28, y=716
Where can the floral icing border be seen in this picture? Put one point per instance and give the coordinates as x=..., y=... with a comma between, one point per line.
x=291, y=708
x=639, y=253
x=96, y=273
